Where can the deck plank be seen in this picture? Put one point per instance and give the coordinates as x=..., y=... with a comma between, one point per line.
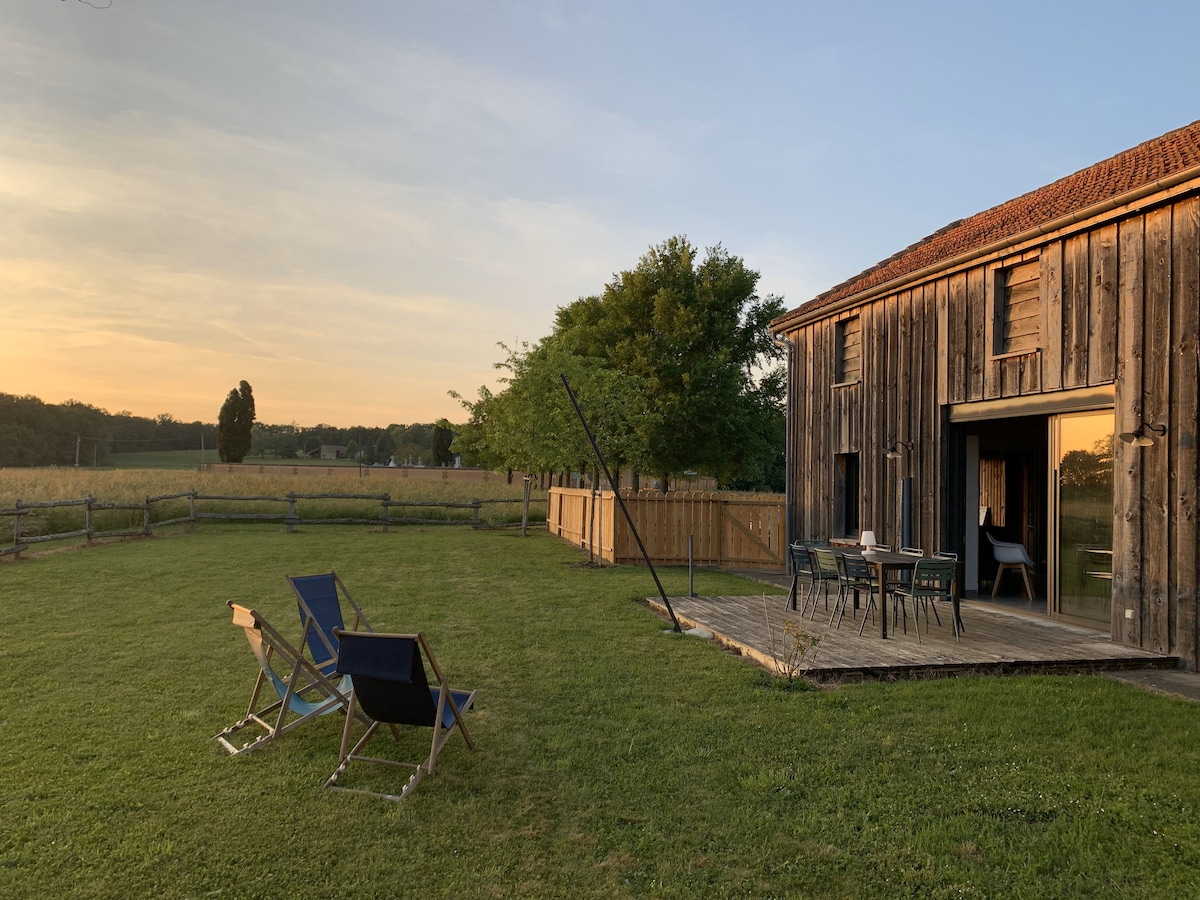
x=995, y=640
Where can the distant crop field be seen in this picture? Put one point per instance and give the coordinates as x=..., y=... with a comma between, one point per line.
x=191, y=459
x=135, y=485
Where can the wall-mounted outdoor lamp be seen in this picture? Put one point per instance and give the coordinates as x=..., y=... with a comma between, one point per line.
x=1139, y=438
x=893, y=452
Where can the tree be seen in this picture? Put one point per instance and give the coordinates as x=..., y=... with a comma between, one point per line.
x=696, y=335
x=531, y=425
x=235, y=424
x=673, y=365
x=385, y=446
x=443, y=437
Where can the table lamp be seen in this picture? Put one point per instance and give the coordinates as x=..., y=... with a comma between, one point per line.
x=867, y=541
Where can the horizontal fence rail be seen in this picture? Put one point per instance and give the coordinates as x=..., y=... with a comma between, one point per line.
x=708, y=528
x=30, y=528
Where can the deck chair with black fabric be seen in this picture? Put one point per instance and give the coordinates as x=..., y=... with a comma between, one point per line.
x=319, y=599
x=392, y=688
x=289, y=690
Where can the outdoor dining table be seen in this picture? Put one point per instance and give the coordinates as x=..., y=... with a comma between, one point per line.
x=884, y=561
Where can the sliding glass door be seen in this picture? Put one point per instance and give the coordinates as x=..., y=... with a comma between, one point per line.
x=1082, y=516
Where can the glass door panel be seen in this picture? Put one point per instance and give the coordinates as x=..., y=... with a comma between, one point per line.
x=1084, y=516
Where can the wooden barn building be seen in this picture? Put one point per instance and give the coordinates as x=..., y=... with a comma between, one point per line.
x=1029, y=373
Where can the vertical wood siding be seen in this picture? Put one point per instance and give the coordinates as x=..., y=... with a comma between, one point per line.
x=1120, y=305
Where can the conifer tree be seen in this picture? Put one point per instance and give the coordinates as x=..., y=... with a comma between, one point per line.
x=235, y=423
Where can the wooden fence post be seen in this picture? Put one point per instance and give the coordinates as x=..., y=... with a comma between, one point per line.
x=290, y=522
x=384, y=499
x=146, y=516
x=475, y=513
x=17, y=533
x=88, y=524
x=192, y=511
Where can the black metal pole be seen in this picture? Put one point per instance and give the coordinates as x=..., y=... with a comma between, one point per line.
x=621, y=503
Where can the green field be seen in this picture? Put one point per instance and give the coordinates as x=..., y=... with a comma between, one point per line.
x=614, y=760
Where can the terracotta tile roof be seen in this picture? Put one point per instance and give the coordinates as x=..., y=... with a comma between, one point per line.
x=1163, y=156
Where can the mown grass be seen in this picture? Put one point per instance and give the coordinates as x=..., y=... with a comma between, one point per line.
x=135, y=485
x=614, y=760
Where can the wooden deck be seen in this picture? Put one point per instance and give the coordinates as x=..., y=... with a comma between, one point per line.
x=996, y=641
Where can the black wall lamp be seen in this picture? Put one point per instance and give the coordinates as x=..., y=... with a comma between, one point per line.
x=893, y=452
x=1139, y=438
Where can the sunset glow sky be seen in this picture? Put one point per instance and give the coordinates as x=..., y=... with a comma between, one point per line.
x=349, y=204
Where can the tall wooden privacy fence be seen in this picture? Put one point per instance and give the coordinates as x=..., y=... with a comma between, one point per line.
x=35, y=522
x=731, y=530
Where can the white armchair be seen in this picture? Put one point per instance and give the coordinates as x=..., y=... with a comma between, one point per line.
x=1011, y=557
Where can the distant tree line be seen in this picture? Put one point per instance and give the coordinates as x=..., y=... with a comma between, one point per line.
x=422, y=444
x=35, y=433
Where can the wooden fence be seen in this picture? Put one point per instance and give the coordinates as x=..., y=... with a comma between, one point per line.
x=730, y=530
x=24, y=535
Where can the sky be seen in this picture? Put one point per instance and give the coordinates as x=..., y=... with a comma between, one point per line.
x=351, y=204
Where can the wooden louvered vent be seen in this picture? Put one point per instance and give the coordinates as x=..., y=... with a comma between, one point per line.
x=849, y=347
x=1020, y=310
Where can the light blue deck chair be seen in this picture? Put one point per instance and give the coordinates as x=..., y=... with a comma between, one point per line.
x=319, y=598
x=391, y=688
x=296, y=690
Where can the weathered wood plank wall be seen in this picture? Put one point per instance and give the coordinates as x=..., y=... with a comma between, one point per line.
x=1120, y=306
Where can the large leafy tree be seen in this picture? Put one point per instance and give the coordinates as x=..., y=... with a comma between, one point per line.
x=696, y=337
x=531, y=426
x=235, y=424
x=673, y=365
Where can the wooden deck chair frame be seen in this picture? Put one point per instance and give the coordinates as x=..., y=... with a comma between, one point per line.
x=301, y=693
x=321, y=644
x=447, y=701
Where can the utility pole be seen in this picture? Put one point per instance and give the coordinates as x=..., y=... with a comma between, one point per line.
x=77, y=440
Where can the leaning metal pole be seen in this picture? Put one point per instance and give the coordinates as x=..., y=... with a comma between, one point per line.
x=621, y=503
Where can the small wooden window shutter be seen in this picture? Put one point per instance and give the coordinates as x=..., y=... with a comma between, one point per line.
x=849, y=333
x=1019, y=314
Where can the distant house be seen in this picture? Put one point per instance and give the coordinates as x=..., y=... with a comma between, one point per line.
x=1030, y=373
x=332, y=451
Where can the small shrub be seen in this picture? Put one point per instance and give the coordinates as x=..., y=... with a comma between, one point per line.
x=794, y=651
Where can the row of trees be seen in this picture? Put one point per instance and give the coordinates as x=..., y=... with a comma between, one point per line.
x=673, y=365
x=420, y=444
x=35, y=433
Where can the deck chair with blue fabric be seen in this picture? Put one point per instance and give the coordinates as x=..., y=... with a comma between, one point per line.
x=320, y=599
x=391, y=687
x=288, y=692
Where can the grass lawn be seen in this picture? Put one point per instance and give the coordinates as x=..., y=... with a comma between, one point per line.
x=614, y=760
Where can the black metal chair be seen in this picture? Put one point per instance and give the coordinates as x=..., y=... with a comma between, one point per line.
x=803, y=576
x=855, y=579
x=827, y=573
x=932, y=581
